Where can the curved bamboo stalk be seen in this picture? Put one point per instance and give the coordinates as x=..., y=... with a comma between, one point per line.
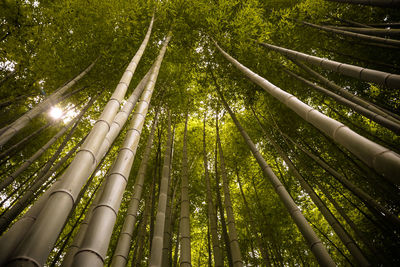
x=212, y=215
x=312, y=239
x=43, y=234
x=22, y=121
x=346, y=94
x=329, y=217
x=380, y=40
x=381, y=159
x=380, y=3
x=363, y=111
x=388, y=79
x=233, y=236
x=370, y=31
x=185, y=259
x=121, y=253
x=157, y=243
x=350, y=22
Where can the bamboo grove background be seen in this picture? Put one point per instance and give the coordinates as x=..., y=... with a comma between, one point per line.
x=195, y=133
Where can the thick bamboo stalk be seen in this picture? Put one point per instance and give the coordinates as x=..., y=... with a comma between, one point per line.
x=22, y=121
x=7, y=181
x=329, y=217
x=158, y=236
x=166, y=259
x=93, y=253
x=43, y=234
x=363, y=111
x=346, y=94
x=380, y=40
x=315, y=244
x=121, y=253
x=381, y=159
x=388, y=79
x=185, y=259
x=370, y=31
x=233, y=236
x=212, y=216
x=380, y=3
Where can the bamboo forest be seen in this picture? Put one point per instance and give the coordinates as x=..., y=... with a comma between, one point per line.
x=199, y=133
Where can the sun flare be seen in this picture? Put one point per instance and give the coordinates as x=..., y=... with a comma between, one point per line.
x=55, y=113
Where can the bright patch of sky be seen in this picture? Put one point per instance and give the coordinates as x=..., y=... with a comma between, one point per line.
x=7, y=65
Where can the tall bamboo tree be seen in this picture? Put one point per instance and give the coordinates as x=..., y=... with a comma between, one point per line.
x=212, y=215
x=158, y=237
x=43, y=234
x=233, y=236
x=185, y=259
x=121, y=252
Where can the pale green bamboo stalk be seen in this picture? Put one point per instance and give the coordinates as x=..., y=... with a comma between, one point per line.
x=22, y=121
x=212, y=215
x=381, y=159
x=121, y=253
x=185, y=259
x=43, y=234
x=157, y=243
x=315, y=244
x=92, y=252
x=233, y=236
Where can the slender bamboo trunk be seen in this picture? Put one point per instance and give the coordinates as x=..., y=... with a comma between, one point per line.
x=380, y=158
x=22, y=121
x=175, y=260
x=379, y=40
x=346, y=94
x=233, y=236
x=184, y=226
x=395, y=127
x=312, y=239
x=388, y=79
x=380, y=3
x=260, y=241
x=7, y=181
x=121, y=252
x=220, y=209
x=361, y=194
x=137, y=257
x=212, y=216
x=157, y=244
x=370, y=31
x=329, y=217
x=385, y=24
x=43, y=234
